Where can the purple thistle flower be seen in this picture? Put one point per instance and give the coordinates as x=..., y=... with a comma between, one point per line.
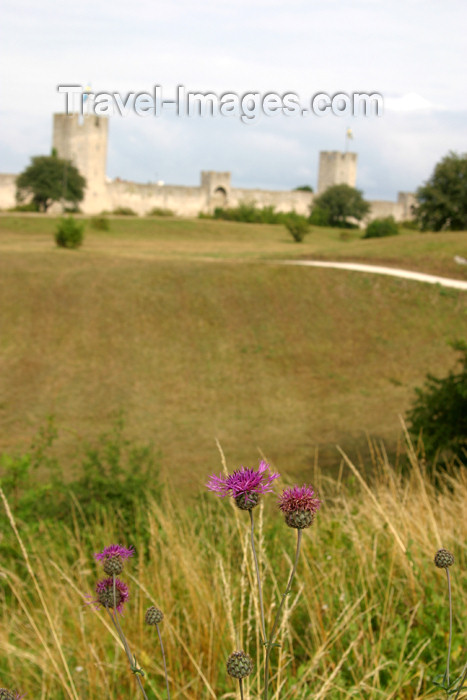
x=105, y=594
x=244, y=485
x=299, y=498
x=115, y=550
x=299, y=504
x=10, y=694
x=113, y=558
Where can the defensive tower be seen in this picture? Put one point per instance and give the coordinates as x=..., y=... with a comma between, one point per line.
x=83, y=140
x=336, y=168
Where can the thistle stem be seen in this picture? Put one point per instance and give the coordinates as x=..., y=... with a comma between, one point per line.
x=163, y=660
x=461, y=681
x=275, y=626
x=115, y=620
x=450, y=627
x=258, y=578
x=240, y=683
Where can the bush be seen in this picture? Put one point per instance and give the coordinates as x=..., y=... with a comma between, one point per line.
x=124, y=211
x=69, y=233
x=379, y=228
x=319, y=216
x=249, y=213
x=439, y=414
x=100, y=223
x=160, y=211
x=32, y=206
x=297, y=226
x=410, y=224
x=113, y=472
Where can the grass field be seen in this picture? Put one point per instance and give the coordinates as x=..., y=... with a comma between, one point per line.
x=184, y=327
x=196, y=333
x=207, y=239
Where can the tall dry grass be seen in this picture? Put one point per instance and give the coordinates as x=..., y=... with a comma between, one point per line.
x=367, y=616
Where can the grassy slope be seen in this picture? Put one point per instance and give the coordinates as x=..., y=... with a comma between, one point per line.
x=256, y=355
x=193, y=238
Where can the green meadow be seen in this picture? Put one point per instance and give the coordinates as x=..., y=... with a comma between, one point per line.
x=195, y=335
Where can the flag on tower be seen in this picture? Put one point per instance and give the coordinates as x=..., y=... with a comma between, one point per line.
x=349, y=134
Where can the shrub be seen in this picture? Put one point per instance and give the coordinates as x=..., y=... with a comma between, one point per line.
x=112, y=472
x=32, y=206
x=410, y=224
x=297, y=226
x=124, y=211
x=439, y=413
x=379, y=228
x=160, y=211
x=69, y=233
x=100, y=223
x=319, y=216
x=248, y=213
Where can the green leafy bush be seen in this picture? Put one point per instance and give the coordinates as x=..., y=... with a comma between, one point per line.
x=249, y=213
x=69, y=233
x=410, y=224
x=124, y=211
x=319, y=216
x=100, y=223
x=32, y=206
x=379, y=228
x=297, y=226
x=439, y=414
x=160, y=211
x=113, y=472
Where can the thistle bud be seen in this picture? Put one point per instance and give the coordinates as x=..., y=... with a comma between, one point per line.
x=239, y=665
x=7, y=694
x=443, y=559
x=299, y=519
x=153, y=616
x=247, y=501
x=113, y=566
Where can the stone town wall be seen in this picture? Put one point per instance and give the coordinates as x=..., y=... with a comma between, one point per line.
x=84, y=139
x=7, y=191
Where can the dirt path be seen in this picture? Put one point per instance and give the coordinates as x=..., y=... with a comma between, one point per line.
x=379, y=270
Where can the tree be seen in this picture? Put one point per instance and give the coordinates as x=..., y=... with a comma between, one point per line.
x=439, y=414
x=341, y=202
x=442, y=200
x=50, y=179
x=304, y=188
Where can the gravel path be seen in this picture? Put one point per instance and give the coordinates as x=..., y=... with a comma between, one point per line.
x=379, y=270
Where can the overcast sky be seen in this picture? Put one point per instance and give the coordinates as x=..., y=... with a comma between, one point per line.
x=413, y=52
